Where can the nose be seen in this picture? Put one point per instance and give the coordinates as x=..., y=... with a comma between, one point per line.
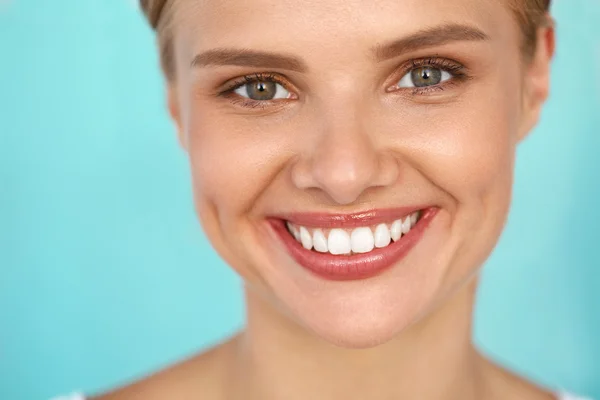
x=344, y=161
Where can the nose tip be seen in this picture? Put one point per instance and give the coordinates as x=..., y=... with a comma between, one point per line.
x=344, y=177
x=344, y=172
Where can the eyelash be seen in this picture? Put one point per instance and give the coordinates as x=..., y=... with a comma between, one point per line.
x=456, y=69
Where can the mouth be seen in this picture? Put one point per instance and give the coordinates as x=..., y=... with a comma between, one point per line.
x=352, y=246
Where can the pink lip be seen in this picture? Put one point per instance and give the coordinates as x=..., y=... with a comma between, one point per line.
x=365, y=218
x=357, y=266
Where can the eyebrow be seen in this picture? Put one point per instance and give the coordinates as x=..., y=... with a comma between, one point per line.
x=431, y=37
x=435, y=36
x=248, y=58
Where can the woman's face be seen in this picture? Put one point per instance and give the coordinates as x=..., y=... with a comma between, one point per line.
x=342, y=117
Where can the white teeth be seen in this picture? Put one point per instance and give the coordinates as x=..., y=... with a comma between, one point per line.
x=406, y=226
x=320, y=241
x=293, y=230
x=305, y=238
x=338, y=242
x=357, y=241
x=413, y=218
x=362, y=240
x=382, y=236
x=396, y=230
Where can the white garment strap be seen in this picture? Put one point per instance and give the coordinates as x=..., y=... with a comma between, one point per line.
x=567, y=396
x=72, y=396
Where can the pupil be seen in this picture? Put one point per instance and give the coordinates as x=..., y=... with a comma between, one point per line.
x=426, y=76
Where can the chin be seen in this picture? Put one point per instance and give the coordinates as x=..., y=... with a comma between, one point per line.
x=360, y=318
x=360, y=336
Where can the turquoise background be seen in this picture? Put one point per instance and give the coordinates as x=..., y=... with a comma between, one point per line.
x=105, y=274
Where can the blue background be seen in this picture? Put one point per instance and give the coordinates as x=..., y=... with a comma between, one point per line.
x=105, y=274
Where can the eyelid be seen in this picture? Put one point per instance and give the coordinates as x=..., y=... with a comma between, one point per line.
x=438, y=62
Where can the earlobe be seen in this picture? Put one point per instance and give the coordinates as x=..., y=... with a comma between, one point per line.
x=175, y=113
x=536, y=83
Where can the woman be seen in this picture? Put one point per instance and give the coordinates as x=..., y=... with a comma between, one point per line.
x=352, y=161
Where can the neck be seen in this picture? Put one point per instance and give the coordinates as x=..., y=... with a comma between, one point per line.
x=433, y=359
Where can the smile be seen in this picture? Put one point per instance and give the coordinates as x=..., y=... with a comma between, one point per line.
x=352, y=246
x=339, y=241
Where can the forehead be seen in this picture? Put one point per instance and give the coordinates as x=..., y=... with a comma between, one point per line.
x=329, y=25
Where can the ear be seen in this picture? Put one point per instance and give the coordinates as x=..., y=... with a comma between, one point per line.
x=175, y=113
x=536, y=80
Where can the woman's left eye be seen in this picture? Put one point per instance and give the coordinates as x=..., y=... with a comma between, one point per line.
x=423, y=77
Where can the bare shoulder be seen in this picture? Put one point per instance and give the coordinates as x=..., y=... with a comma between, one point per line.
x=202, y=376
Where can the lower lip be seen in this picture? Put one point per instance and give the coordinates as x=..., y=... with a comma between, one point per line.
x=356, y=266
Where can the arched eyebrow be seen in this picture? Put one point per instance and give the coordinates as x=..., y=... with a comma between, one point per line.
x=431, y=37
x=249, y=58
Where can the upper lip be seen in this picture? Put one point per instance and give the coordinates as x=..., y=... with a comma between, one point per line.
x=349, y=220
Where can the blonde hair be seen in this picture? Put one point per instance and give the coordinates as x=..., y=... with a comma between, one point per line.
x=531, y=14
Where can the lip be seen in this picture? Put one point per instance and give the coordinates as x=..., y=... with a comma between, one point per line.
x=356, y=266
x=364, y=218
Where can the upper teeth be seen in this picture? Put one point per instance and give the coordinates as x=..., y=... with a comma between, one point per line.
x=358, y=240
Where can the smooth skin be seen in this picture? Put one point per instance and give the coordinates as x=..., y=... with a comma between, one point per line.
x=345, y=134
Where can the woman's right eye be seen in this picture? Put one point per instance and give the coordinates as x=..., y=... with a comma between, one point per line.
x=262, y=91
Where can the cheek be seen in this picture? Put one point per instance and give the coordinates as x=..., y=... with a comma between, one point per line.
x=467, y=148
x=468, y=152
x=474, y=165
x=232, y=162
x=231, y=166
x=474, y=154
